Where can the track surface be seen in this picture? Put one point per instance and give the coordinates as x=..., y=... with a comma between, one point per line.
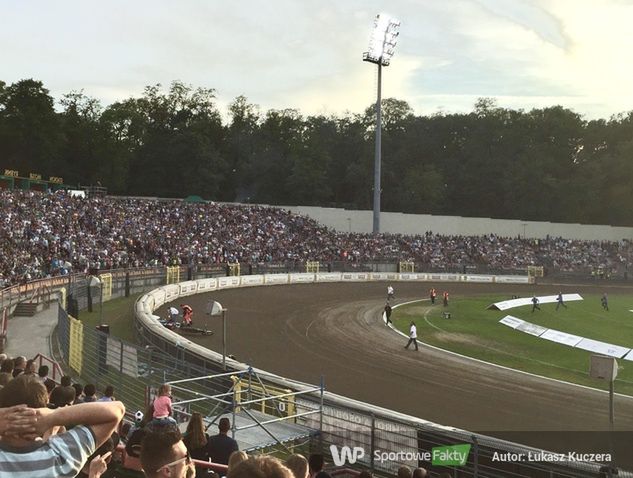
x=335, y=331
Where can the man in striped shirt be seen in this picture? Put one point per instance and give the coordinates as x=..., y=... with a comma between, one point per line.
x=26, y=455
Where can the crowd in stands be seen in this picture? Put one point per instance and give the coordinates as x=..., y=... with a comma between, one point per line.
x=66, y=430
x=48, y=234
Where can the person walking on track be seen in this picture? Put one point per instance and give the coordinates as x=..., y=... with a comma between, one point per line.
x=413, y=336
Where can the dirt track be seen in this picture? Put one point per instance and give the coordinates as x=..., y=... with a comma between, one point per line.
x=334, y=330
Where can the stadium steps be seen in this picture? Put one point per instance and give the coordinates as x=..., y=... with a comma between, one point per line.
x=25, y=309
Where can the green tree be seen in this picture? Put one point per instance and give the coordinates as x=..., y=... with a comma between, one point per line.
x=30, y=135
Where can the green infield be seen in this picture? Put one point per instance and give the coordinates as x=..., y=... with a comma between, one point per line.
x=474, y=330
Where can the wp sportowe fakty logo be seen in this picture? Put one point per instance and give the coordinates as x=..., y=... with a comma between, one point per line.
x=346, y=454
x=450, y=455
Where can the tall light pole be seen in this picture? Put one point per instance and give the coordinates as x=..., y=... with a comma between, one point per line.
x=381, y=47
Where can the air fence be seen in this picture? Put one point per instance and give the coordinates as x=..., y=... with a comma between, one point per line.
x=387, y=439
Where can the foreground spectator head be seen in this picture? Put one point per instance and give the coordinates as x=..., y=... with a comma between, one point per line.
x=25, y=389
x=260, y=467
x=42, y=372
x=404, y=472
x=79, y=390
x=6, y=372
x=108, y=394
x=163, y=454
x=364, y=474
x=66, y=381
x=419, y=473
x=316, y=462
x=7, y=366
x=236, y=457
x=30, y=367
x=19, y=364
x=62, y=396
x=89, y=392
x=298, y=465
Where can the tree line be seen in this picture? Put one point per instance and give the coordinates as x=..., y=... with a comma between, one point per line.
x=543, y=164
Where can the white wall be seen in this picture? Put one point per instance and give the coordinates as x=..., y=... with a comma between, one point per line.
x=344, y=220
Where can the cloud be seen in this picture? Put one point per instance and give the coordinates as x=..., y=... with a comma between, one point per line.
x=307, y=54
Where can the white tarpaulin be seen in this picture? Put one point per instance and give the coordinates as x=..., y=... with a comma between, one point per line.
x=531, y=329
x=511, y=321
x=546, y=299
x=561, y=337
x=603, y=348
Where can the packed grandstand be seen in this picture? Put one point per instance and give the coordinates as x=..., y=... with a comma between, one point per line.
x=48, y=234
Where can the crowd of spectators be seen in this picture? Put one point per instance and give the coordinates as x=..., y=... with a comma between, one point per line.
x=46, y=430
x=48, y=234
x=50, y=429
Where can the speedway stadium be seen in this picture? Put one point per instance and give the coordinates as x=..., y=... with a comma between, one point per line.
x=306, y=361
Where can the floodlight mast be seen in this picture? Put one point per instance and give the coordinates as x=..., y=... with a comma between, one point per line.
x=381, y=47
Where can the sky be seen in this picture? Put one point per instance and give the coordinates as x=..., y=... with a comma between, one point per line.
x=307, y=54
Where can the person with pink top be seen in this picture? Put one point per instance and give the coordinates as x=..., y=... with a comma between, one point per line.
x=162, y=406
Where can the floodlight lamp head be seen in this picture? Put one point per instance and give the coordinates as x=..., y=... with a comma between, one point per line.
x=383, y=40
x=214, y=308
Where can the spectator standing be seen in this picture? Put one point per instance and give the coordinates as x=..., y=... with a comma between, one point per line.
x=195, y=440
x=221, y=446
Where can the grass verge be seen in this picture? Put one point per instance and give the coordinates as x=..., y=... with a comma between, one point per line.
x=475, y=331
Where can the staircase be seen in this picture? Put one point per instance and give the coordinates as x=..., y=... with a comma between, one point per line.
x=25, y=309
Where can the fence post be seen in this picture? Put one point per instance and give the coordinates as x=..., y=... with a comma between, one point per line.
x=475, y=457
x=373, y=442
x=89, y=296
x=127, y=284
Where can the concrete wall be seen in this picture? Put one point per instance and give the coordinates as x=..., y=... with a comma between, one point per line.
x=344, y=220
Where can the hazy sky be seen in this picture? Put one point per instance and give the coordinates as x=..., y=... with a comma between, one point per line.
x=307, y=54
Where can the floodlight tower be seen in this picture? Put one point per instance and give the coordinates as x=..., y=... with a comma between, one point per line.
x=381, y=47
